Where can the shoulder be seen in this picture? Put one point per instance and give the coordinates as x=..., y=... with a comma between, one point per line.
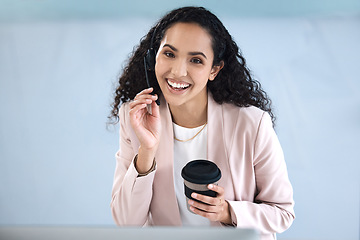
x=124, y=107
x=246, y=124
x=249, y=117
x=231, y=114
x=249, y=127
x=124, y=113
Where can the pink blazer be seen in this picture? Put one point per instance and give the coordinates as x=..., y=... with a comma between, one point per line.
x=241, y=141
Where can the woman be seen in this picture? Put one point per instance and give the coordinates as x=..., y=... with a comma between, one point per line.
x=211, y=108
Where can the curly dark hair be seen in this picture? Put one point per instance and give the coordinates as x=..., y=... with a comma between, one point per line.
x=234, y=83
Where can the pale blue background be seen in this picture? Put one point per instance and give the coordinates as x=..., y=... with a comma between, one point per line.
x=59, y=61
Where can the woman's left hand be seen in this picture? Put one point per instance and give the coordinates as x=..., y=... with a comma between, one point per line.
x=213, y=208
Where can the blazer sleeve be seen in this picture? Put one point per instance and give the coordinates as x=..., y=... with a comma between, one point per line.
x=272, y=208
x=131, y=195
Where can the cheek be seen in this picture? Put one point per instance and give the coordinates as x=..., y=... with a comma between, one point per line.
x=160, y=67
x=157, y=71
x=200, y=74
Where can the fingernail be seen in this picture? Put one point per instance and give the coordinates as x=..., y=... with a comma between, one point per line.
x=211, y=186
x=191, y=202
x=194, y=195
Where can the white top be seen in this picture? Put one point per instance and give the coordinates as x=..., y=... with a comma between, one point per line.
x=185, y=152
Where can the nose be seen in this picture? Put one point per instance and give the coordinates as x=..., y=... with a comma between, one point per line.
x=179, y=68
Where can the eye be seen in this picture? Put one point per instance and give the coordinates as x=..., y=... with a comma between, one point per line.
x=169, y=54
x=196, y=60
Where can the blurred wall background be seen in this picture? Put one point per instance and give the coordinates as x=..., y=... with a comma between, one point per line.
x=59, y=61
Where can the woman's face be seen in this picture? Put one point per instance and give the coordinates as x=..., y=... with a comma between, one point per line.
x=184, y=65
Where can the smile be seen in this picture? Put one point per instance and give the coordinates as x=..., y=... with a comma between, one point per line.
x=177, y=86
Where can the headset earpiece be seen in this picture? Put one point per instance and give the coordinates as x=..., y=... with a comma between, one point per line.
x=150, y=59
x=149, y=62
x=150, y=54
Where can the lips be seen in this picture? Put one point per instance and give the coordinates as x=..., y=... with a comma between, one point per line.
x=178, y=86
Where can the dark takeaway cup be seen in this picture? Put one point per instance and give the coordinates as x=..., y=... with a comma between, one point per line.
x=197, y=175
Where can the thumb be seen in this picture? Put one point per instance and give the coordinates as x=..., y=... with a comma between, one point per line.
x=155, y=109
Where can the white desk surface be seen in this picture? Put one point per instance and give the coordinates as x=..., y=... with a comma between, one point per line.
x=123, y=233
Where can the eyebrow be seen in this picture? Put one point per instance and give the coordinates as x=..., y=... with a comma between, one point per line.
x=190, y=53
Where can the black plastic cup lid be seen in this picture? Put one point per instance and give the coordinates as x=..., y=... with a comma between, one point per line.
x=201, y=172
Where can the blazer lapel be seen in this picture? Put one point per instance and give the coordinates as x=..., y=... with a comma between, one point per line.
x=164, y=207
x=216, y=150
x=216, y=145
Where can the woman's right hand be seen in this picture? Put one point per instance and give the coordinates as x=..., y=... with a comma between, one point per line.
x=147, y=127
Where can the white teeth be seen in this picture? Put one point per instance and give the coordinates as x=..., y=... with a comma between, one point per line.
x=177, y=85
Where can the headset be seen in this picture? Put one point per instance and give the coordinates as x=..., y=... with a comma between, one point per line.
x=149, y=61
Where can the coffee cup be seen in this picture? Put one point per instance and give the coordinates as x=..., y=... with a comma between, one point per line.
x=197, y=175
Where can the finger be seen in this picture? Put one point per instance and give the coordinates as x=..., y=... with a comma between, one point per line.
x=140, y=101
x=209, y=215
x=219, y=190
x=145, y=95
x=221, y=214
x=205, y=199
x=148, y=99
x=136, y=108
x=155, y=108
x=145, y=91
x=203, y=207
x=220, y=193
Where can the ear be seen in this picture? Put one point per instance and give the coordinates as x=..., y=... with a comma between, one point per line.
x=215, y=70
